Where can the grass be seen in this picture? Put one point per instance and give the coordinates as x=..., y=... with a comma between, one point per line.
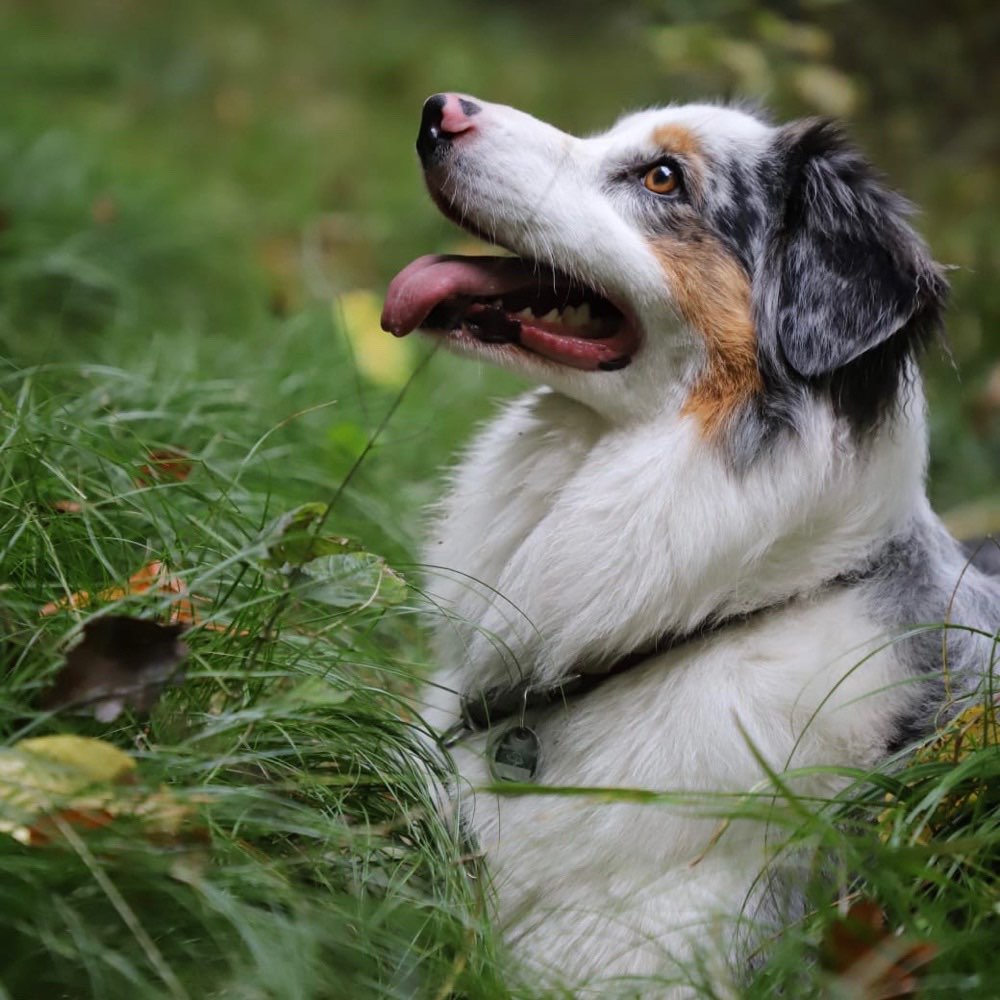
x=311, y=862
x=168, y=281
x=315, y=864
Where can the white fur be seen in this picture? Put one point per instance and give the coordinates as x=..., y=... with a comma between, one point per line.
x=570, y=537
x=585, y=522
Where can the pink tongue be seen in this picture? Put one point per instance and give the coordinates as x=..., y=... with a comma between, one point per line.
x=420, y=286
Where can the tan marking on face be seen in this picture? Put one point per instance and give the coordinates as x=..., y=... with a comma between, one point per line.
x=712, y=293
x=677, y=139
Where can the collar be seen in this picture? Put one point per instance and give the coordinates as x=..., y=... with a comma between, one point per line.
x=485, y=709
x=481, y=711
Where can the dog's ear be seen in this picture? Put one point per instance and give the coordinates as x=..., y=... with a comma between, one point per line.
x=842, y=270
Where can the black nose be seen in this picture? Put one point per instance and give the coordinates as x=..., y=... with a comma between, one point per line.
x=445, y=117
x=432, y=140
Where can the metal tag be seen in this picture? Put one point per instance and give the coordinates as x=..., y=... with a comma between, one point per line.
x=515, y=755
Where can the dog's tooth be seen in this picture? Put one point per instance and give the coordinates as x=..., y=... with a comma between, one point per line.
x=583, y=314
x=552, y=316
x=525, y=314
x=569, y=316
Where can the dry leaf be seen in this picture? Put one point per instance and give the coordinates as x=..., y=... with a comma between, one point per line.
x=120, y=662
x=165, y=819
x=49, y=782
x=67, y=506
x=164, y=465
x=38, y=776
x=45, y=829
x=92, y=760
x=869, y=961
x=152, y=576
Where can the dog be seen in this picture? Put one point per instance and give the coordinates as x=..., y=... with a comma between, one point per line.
x=699, y=553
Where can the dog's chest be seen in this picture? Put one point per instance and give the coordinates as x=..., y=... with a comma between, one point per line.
x=509, y=482
x=638, y=880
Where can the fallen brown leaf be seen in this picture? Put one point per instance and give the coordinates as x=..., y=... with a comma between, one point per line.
x=153, y=576
x=67, y=506
x=46, y=828
x=869, y=961
x=49, y=783
x=164, y=465
x=119, y=662
x=39, y=775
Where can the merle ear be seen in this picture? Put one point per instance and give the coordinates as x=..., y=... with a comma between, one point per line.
x=843, y=271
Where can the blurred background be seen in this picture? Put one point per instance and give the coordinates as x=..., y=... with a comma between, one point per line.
x=222, y=190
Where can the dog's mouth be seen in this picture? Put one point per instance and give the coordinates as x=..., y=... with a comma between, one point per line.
x=513, y=303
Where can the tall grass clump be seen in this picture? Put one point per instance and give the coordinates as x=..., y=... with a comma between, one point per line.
x=309, y=860
x=279, y=837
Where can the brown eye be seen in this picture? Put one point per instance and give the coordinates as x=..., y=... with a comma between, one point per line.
x=662, y=179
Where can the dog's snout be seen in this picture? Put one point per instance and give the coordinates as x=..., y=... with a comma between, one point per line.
x=444, y=117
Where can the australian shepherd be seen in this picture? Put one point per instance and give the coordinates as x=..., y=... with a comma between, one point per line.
x=700, y=553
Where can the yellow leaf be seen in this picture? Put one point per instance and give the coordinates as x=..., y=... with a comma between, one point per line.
x=380, y=357
x=38, y=775
x=92, y=760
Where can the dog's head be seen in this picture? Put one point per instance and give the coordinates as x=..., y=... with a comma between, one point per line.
x=694, y=258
